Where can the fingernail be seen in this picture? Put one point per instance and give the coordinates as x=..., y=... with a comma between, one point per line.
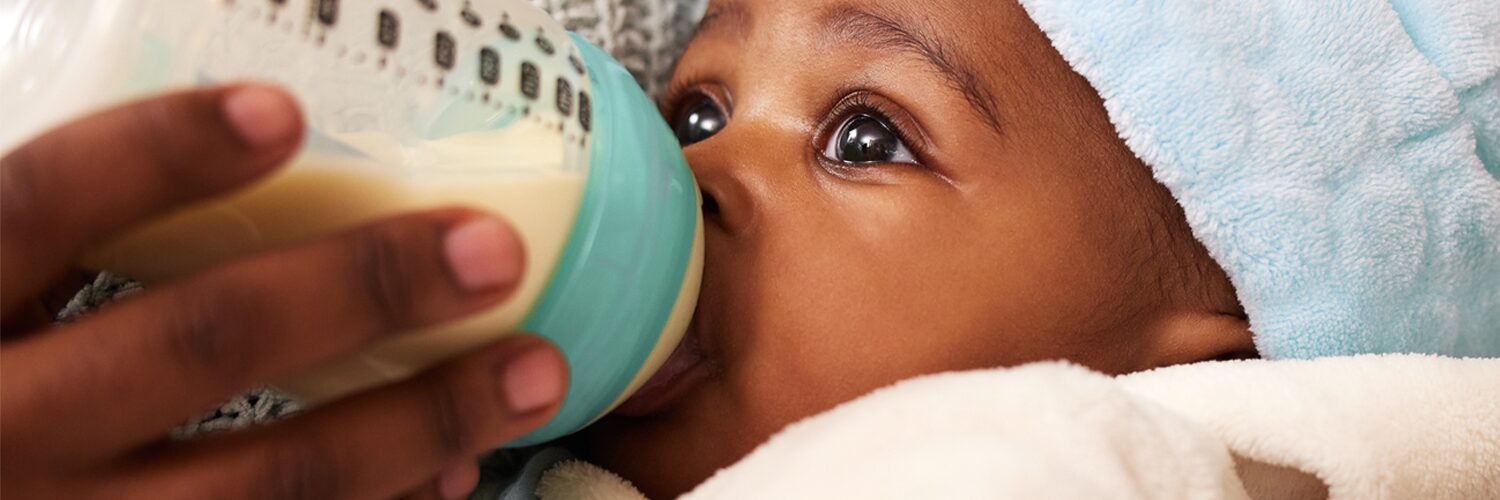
x=484, y=255
x=263, y=117
x=533, y=381
x=456, y=483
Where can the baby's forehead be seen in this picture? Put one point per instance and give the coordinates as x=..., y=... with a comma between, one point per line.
x=981, y=48
x=965, y=26
x=989, y=50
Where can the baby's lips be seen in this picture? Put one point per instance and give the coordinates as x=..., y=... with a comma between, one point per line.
x=675, y=377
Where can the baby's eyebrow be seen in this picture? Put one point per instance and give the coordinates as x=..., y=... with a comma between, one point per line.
x=857, y=26
x=729, y=18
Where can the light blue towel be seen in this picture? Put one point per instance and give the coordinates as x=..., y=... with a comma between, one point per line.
x=1330, y=154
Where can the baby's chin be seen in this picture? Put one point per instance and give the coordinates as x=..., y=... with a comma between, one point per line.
x=667, y=453
x=651, y=452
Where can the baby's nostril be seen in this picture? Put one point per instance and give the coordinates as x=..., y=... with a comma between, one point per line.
x=710, y=204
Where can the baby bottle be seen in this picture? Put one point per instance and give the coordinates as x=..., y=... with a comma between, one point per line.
x=410, y=104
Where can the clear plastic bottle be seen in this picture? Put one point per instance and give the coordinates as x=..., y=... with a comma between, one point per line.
x=410, y=104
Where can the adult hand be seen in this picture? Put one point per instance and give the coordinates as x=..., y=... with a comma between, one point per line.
x=87, y=406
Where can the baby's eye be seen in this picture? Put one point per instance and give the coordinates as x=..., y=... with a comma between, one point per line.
x=698, y=119
x=867, y=139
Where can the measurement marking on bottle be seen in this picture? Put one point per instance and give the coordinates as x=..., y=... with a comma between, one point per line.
x=489, y=66
x=585, y=111
x=444, y=50
x=317, y=21
x=531, y=80
x=469, y=16
x=564, y=97
x=328, y=12
x=507, y=29
x=389, y=32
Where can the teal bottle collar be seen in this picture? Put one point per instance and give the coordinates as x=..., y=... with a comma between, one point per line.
x=623, y=267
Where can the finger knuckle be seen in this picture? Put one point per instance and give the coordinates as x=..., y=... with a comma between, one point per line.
x=297, y=470
x=21, y=198
x=210, y=331
x=385, y=272
x=158, y=128
x=455, y=418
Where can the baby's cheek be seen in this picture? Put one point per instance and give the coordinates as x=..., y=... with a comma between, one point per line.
x=847, y=316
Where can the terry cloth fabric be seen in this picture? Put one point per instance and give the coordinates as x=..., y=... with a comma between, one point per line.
x=1331, y=155
x=1339, y=428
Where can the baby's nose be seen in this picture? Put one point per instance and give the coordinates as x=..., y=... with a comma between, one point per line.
x=728, y=199
x=710, y=204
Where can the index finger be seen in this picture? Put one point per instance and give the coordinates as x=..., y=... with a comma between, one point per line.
x=84, y=182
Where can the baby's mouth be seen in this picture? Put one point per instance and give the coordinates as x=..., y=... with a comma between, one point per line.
x=678, y=374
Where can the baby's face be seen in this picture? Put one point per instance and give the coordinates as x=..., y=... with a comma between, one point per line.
x=895, y=189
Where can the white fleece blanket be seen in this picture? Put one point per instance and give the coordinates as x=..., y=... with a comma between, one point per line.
x=1369, y=427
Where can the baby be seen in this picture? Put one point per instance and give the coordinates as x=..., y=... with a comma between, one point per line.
x=902, y=188
x=895, y=189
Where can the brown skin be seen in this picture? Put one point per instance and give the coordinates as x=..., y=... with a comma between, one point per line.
x=184, y=347
x=1044, y=239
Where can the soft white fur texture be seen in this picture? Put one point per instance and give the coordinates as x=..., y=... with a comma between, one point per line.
x=1368, y=427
